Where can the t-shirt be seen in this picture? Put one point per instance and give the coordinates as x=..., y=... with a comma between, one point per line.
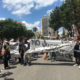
x=21, y=47
x=8, y=48
x=77, y=48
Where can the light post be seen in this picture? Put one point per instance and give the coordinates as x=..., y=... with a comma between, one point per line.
x=69, y=34
x=73, y=30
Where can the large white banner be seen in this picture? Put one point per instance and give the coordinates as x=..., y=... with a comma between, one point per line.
x=45, y=43
x=63, y=53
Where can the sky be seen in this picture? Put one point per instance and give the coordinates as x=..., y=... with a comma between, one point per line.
x=29, y=12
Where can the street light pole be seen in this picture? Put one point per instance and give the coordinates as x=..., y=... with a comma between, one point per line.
x=73, y=30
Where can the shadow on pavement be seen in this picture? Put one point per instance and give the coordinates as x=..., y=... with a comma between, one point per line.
x=12, y=67
x=54, y=64
x=8, y=79
x=5, y=74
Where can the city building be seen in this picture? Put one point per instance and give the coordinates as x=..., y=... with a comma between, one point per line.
x=46, y=31
x=44, y=25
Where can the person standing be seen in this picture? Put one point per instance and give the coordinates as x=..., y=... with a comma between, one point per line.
x=77, y=53
x=46, y=56
x=21, y=51
x=0, y=53
x=0, y=46
x=27, y=57
x=53, y=56
x=8, y=52
x=5, y=59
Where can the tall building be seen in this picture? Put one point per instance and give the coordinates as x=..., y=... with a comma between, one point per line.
x=44, y=25
x=46, y=31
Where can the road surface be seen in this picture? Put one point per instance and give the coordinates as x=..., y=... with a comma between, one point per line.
x=42, y=70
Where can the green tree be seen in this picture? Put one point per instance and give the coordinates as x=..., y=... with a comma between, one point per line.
x=12, y=29
x=55, y=18
x=76, y=9
x=66, y=15
x=29, y=34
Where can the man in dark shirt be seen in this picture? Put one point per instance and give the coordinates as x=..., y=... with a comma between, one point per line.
x=77, y=53
x=0, y=48
x=27, y=57
x=21, y=51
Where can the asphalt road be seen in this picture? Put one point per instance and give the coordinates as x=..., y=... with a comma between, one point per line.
x=42, y=70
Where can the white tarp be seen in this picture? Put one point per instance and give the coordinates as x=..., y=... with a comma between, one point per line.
x=46, y=43
x=40, y=45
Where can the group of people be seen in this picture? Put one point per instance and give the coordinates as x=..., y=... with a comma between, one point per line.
x=24, y=45
x=5, y=55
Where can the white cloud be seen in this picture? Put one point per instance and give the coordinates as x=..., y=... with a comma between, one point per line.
x=48, y=12
x=21, y=7
x=30, y=26
x=2, y=18
x=44, y=3
x=23, y=10
x=18, y=7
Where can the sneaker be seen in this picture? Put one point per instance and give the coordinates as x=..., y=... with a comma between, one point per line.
x=79, y=66
x=0, y=70
x=75, y=65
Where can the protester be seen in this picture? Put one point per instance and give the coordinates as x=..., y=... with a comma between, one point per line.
x=0, y=46
x=8, y=52
x=53, y=56
x=26, y=57
x=0, y=53
x=5, y=57
x=46, y=56
x=77, y=53
x=21, y=51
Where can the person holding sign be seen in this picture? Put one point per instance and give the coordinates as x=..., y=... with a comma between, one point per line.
x=27, y=57
x=21, y=51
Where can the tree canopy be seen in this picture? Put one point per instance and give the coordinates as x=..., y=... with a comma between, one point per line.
x=66, y=15
x=12, y=29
